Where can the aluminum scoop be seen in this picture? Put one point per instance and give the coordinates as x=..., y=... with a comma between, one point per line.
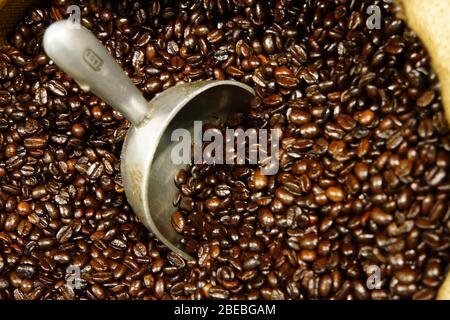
x=146, y=166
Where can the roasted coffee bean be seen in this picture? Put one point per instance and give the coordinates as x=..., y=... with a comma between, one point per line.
x=64, y=234
x=268, y=42
x=23, y=208
x=424, y=294
x=215, y=36
x=176, y=260
x=35, y=142
x=284, y=196
x=26, y=271
x=98, y=291
x=178, y=221
x=425, y=99
x=78, y=130
x=435, y=176
x=218, y=293
x=39, y=192
x=380, y=217
x=335, y=194
x=259, y=181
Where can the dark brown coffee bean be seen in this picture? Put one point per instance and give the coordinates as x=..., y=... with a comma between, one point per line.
x=176, y=260
x=284, y=196
x=35, y=142
x=406, y=276
x=64, y=234
x=153, y=86
x=309, y=130
x=98, y=291
x=218, y=293
x=380, y=217
x=425, y=99
x=23, y=208
x=269, y=43
x=78, y=130
x=366, y=117
x=435, y=176
x=266, y=217
x=178, y=221
x=215, y=36
x=335, y=194
x=11, y=222
x=424, y=294
x=56, y=88
x=26, y=271
x=346, y=122
x=39, y=192
x=159, y=287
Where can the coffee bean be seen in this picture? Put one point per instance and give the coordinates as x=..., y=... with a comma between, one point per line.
x=64, y=234
x=335, y=194
x=366, y=117
x=5, y=97
x=424, y=294
x=39, y=192
x=435, y=176
x=10, y=150
x=98, y=291
x=425, y=99
x=269, y=43
x=26, y=271
x=159, y=287
x=259, y=181
x=251, y=263
x=406, y=276
x=46, y=243
x=23, y=208
x=221, y=55
x=56, y=88
x=325, y=285
x=215, y=36
x=35, y=142
x=266, y=217
x=218, y=293
x=178, y=221
x=78, y=130
x=309, y=130
x=346, y=122
x=181, y=177
x=11, y=222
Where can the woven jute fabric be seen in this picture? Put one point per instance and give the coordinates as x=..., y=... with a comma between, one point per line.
x=430, y=20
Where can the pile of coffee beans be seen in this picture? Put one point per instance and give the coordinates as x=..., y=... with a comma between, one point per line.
x=363, y=180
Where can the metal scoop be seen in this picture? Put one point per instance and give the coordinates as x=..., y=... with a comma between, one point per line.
x=146, y=166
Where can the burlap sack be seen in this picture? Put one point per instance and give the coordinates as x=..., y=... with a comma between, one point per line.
x=428, y=18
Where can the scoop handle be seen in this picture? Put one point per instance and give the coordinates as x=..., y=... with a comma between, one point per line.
x=80, y=54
